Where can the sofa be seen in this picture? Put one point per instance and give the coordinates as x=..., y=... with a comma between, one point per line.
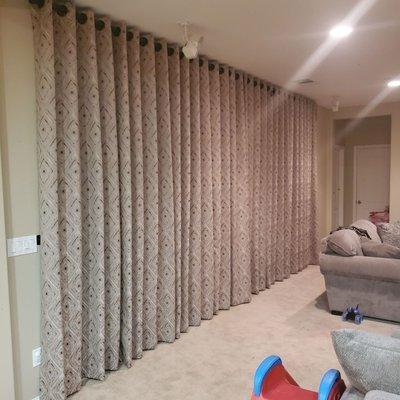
x=371, y=363
x=371, y=282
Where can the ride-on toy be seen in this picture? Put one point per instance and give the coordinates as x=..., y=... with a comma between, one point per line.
x=273, y=382
x=353, y=313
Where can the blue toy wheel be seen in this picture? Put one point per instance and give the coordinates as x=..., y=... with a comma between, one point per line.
x=358, y=319
x=327, y=383
x=262, y=372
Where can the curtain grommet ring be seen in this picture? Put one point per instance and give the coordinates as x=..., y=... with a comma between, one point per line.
x=221, y=70
x=116, y=30
x=170, y=51
x=211, y=66
x=99, y=24
x=237, y=76
x=60, y=9
x=143, y=41
x=129, y=36
x=157, y=46
x=201, y=62
x=81, y=17
x=181, y=55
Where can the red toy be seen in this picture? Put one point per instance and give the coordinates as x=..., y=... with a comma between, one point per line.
x=273, y=382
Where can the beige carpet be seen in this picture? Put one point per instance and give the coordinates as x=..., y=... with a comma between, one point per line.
x=217, y=360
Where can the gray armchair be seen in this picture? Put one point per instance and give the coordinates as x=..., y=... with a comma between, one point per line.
x=352, y=355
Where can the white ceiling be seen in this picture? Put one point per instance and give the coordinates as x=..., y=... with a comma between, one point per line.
x=274, y=39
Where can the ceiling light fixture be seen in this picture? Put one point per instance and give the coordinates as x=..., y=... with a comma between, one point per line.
x=191, y=47
x=394, y=83
x=340, y=31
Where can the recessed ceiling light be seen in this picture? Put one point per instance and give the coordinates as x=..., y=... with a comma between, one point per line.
x=394, y=83
x=340, y=31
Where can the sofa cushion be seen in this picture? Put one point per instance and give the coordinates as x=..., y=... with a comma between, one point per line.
x=382, y=250
x=396, y=334
x=369, y=227
x=379, y=395
x=390, y=233
x=352, y=394
x=345, y=243
x=370, y=361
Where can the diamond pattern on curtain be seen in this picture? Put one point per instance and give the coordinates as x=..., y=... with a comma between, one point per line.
x=169, y=190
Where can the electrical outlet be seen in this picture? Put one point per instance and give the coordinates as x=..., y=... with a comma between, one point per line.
x=36, y=356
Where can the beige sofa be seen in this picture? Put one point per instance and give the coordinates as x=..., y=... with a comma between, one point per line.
x=373, y=283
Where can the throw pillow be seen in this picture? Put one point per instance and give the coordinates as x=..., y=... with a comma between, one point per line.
x=369, y=227
x=370, y=361
x=390, y=233
x=383, y=250
x=345, y=243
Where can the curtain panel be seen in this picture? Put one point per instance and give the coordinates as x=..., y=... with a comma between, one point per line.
x=169, y=189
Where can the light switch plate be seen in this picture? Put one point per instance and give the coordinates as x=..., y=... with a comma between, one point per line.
x=21, y=245
x=36, y=356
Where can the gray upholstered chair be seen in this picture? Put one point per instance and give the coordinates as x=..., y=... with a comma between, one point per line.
x=356, y=350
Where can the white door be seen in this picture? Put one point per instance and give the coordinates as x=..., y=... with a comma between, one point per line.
x=371, y=179
x=338, y=186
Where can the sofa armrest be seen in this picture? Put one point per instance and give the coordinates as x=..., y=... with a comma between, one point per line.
x=374, y=268
x=378, y=395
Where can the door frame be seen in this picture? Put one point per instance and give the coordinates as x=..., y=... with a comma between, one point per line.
x=355, y=148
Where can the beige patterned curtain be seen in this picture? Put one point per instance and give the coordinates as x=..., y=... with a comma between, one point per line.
x=169, y=190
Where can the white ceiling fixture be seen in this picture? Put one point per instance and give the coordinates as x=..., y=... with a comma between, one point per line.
x=335, y=104
x=191, y=47
x=340, y=31
x=394, y=83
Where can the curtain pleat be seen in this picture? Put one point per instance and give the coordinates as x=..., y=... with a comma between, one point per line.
x=175, y=118
x=215, y=126
x=195, y=249
x=226, y=179
x=133, y=286
x=206, y=172
x=166, y=234
x=169, y=189
x=150, y=195
x=120, y=56
x=185, y=188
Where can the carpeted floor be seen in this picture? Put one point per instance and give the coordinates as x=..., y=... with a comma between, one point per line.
x=217, y=360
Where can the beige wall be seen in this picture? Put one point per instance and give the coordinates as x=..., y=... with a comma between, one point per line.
x=393, y=110
x=6, y=359
x=18, y=147
x=369, y=131
x=324, y=170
